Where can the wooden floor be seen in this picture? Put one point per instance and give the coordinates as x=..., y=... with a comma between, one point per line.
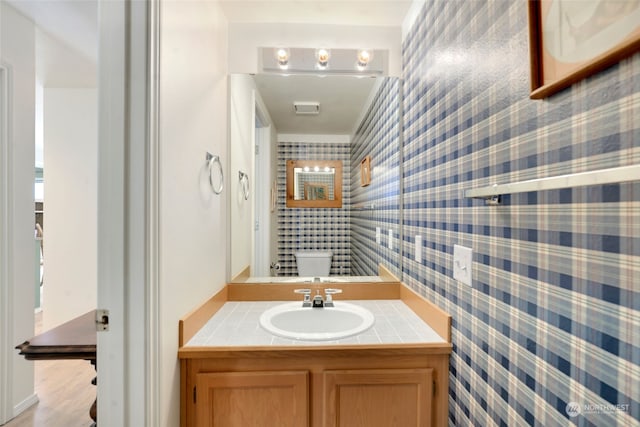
x=65, y=392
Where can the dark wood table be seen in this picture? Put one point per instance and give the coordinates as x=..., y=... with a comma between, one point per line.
x=75, y=339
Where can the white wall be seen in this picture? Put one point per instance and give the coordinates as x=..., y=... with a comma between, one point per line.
x=193, y=120
x=59, y=65
x=245, y=39
x=70, y=185
x=17, y=50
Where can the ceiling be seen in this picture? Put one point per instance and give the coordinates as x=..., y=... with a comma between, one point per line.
x=68, y=40
x=73, y=22
x=341, y=99
x=331, y=12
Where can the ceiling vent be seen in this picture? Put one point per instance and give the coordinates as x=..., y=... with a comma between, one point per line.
x=306, y=107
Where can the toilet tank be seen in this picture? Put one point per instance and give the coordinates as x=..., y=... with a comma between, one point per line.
x=314, y=263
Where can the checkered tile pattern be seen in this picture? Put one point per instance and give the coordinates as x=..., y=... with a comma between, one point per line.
x=377, y=205
x=317, y=228
x=553, y=315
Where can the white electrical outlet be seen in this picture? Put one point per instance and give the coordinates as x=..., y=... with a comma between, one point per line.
x=378, y=235
x=418, y=254
x=462, y=264
x=390, y=239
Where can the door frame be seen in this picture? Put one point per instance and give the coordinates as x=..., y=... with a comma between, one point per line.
x=128, y=220
x=262, y=192
x=6, y=241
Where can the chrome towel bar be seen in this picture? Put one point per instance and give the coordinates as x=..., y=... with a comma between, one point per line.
x=604, y=176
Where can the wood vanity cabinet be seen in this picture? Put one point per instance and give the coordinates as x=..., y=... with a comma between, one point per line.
x=401, y=386
x=382, y=397
x=252, y=398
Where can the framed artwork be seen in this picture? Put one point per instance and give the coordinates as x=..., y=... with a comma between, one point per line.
x=570, y=40
x=365, y=171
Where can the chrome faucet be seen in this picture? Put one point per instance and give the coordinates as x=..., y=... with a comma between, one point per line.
x=318, y=301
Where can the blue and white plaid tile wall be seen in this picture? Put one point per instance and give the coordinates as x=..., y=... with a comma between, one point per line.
x=317, y=228
x=377, y=205
x=553, y=315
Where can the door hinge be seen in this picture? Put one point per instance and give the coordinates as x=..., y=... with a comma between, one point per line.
x=194, y=394
x=102, y=320
x=257, y=150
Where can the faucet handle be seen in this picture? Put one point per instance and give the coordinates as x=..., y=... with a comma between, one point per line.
x=306, y=301
x=329, y=292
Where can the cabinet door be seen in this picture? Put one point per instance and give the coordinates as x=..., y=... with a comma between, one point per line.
x=243, y=399
x=381, y=397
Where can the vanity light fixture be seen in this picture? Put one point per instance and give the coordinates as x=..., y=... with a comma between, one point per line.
x=323, y=58
x=316, y=169
x=282, y=56
x=364, y=56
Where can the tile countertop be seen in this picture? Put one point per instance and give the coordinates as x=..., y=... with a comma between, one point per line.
x=237, y=324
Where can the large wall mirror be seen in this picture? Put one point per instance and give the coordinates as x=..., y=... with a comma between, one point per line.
x=304, y=171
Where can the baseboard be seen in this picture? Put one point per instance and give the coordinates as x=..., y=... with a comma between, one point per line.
x=25, y=404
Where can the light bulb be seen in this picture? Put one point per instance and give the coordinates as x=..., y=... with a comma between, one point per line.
x=323, y=58
x=316, y=169
x=364, y=56
x=282, y=56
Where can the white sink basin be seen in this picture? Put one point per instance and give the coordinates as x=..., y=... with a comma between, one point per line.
x=291, y=320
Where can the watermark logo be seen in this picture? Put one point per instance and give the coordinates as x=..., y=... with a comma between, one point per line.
x=573, y=409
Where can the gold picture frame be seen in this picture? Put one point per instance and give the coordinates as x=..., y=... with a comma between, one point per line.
x=365, y=171
x=569, y=40
x=292, y=201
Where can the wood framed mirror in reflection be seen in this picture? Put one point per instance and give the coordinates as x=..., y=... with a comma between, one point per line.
x=359, y=225
x=314, y=184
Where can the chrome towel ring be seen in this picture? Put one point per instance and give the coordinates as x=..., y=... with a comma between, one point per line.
x=214, y=162
x=244, y=184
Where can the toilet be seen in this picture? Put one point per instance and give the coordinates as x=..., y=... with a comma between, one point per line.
x=314, y=263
